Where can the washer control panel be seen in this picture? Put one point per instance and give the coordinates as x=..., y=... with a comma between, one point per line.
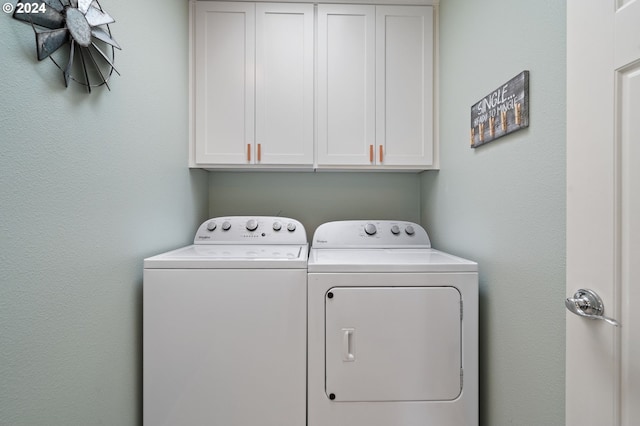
x=371, y=234
x=251, y=230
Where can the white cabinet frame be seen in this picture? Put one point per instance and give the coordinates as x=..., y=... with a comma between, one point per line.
x=344, y=87
x=253, y=84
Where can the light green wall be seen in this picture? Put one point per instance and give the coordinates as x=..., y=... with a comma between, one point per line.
x=89, y=186
x=315, y=198
x=92, y=184
x=503, y=204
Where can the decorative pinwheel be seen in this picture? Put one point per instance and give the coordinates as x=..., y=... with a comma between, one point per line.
x=81, y=26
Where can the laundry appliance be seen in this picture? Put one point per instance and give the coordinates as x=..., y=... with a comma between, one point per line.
x=224, y=326
x=392, y=328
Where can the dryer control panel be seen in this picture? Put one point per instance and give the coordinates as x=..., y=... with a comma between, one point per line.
x=370, y=234
x=251, y=230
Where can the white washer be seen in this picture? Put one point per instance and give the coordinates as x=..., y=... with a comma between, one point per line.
x=224, y=322
x=392, y=328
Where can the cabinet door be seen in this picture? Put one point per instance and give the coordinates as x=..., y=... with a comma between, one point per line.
x=346, y=84
x=224, y=82
x=404, y=85
x=284, y=83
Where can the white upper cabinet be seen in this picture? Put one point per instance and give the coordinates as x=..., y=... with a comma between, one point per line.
x=404, y=85
x=253, y=87
x=346, y=85
x=224, y=54
x=375, y=87
x=284, y=84
x=261, y=75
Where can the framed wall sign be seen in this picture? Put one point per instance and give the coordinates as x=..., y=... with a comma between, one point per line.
x=503, y=111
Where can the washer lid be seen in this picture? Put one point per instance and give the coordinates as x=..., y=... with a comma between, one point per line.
x=239, y=256
x=387, y=260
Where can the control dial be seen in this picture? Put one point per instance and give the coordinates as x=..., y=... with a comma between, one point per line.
x=211, y=226
x=252, y=225
x=409, y=230
x=226, y=225
x=291, y=227
x=395, y=229
x=370, y=229
x=277, y=226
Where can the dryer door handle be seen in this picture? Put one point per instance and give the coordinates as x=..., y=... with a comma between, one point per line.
x=348, y=344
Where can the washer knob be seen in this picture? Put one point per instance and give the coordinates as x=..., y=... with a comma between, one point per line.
x=291, y=227
x=252, y=225
x=211, y=226
x=409, y=230
x=395, y=229
x=277, y=226
x=370, y=229
x=226, y=225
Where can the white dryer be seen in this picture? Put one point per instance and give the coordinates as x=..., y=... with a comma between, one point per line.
x=224, y=326
x=392, y=328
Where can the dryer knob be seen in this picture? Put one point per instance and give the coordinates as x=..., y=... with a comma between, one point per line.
x=291, y=227
x=226, y=225
x=277, y=226
x=409, y=230
x=370, y=229
x=252, y=225
x=211, y=226
x=395, y=229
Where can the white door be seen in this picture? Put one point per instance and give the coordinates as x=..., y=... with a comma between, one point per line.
x=346, y=84
x=284, y=83
x=603, y=209
x=404, y=85
x=224, y=82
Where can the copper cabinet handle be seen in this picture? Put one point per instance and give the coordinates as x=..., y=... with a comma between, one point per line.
x=248, y=153
x=371, y=153
x=381, y=156
x=259, y=152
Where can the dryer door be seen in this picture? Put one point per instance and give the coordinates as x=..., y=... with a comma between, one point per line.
x=393, y=343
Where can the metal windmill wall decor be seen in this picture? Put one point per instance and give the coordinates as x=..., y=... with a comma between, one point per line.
x=71, y=30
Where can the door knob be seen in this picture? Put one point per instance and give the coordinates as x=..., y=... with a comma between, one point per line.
x=587, y=303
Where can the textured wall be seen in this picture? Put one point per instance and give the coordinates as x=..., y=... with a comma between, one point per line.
x=89, y=186
x=503, y=204
x=315, y=198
